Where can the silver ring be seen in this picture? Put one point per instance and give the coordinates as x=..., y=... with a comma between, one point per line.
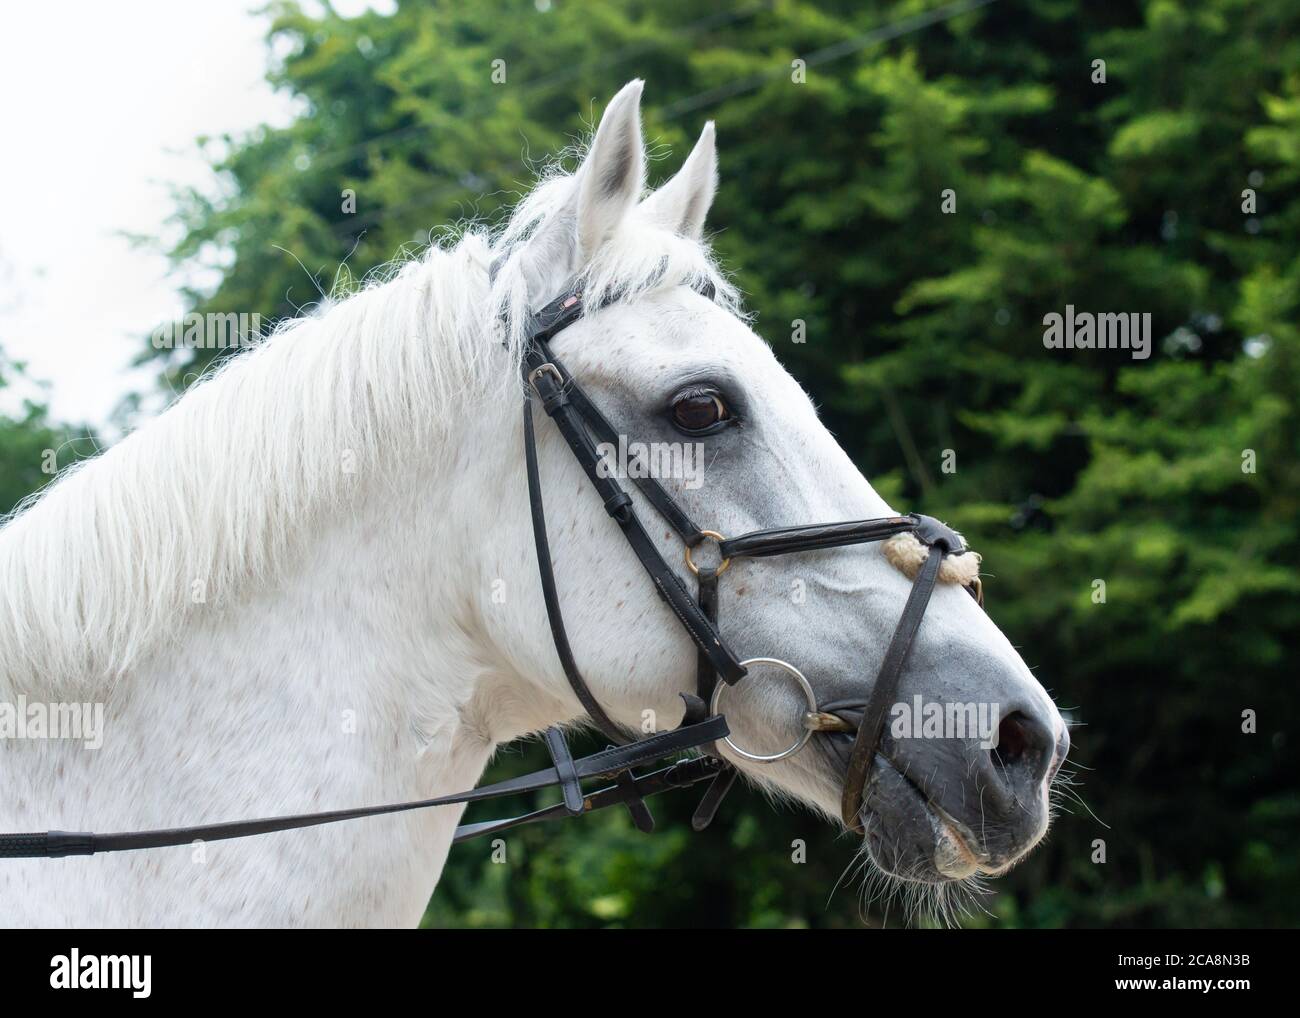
x=807, y=692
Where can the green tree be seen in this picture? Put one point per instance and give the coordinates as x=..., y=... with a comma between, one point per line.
x=32, y=447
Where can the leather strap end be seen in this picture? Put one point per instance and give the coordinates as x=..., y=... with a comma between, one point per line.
x=617, y=503
x=636, y=806
x=697, y=709
x=717, y=791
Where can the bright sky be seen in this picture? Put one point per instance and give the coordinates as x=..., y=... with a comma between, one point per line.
x=102, y=105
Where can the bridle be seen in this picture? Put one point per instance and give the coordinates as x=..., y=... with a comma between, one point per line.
x=549, y=385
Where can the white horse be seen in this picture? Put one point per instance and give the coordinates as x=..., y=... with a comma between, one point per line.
x=310, y=584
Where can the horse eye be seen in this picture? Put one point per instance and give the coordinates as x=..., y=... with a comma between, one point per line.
x=699, y=411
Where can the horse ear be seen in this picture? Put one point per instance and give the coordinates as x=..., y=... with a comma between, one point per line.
x=597, y=197
x=683, y=202
x=612, y=177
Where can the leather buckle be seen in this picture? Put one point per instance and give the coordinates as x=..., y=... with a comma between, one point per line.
x=545, y=369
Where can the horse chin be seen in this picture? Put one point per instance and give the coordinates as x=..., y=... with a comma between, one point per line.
x=909, y=837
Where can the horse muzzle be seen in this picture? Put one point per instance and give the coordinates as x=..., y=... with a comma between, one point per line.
x=940, y=809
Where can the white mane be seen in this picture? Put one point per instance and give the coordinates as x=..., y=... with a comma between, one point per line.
x=214, y=495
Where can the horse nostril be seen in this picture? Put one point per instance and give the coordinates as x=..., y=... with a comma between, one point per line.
x=1012, y=739
x=1024, y=744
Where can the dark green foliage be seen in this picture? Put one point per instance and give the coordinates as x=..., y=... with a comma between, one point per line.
x=32, y=448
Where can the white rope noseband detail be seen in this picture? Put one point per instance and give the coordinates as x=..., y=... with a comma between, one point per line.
x=907, y=554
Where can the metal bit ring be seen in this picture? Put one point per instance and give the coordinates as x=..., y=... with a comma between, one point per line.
x=808, y=693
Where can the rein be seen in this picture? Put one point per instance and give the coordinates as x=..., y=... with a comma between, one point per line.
x=552, y=388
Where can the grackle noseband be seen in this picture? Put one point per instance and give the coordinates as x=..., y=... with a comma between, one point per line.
x=548, y=384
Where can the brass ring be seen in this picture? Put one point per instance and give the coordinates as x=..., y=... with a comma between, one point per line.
x=690, y=562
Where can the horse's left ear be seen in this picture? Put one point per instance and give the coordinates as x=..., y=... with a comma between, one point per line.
x=683, y=202
x=612, y=177
x=604, y=188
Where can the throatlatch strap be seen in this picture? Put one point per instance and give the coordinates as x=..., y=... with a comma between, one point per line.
x=885, y=691
x=551, y=597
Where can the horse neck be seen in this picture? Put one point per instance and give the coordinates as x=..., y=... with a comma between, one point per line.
x=343, y=684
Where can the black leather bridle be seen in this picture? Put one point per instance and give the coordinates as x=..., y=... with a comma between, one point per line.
x=549, y=385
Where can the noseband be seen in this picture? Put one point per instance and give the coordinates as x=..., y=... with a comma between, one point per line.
x=550, y=385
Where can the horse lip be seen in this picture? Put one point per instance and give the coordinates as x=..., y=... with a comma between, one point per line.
x=956, y=852
x=956, y=849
